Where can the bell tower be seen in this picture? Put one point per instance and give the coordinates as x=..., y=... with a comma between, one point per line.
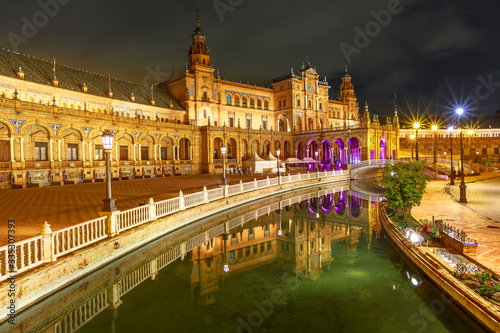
x=348, y=97
x=198, y=53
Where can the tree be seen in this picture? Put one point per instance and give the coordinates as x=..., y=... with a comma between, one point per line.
x=405, y=185
x=486, y=161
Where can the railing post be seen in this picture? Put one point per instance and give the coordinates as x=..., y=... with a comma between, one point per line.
x=279, y=180
x=182, y=249
x=114, y=296
x=226, y=191
x=153, y=269
x=268, y=181
x=182, y=204
x=205, y=194
x=47, y=243
x=289, y=178
x=111, y=222
x=241, y=186
x=152, y=210
x=255, y=183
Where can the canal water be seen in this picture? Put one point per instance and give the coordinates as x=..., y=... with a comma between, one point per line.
x=309, y=261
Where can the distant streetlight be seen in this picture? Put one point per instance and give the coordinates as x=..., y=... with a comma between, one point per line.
x=470, y=132
x=452, y=168
x=463, y=196
x=416, y=126
x=223, y=151
x=434, y=129
x=412, y=138
x=316, y=154
x=226, y=265
x=278, y=152
x=107, y=142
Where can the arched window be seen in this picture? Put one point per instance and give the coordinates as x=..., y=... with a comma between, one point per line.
x=252, y=103
x=259, y=104
x=237, y=100
x=266, y=105
x=244, y=102
x=228, y=99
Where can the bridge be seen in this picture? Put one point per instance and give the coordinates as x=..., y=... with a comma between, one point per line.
x=368, y=168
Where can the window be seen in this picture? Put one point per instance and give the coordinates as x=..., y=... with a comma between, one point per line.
x=284, y=102
x=205, y=96
x=484, y=151
x=72, y=152
x=279, y=104
x=266, y=105
x=268, y=246
x=228, y=99
x=237, y=100
x=244, y=103
x=123, y=153
x=99, y=153
x=252, y=103
x=259, y=104
x=40, y=151
x=4, y=151
x=298, y=102
x=231, y=122
x=249, y=123
x=163, y=153
x=496, y=151
x=264, y=124
x=144, y=153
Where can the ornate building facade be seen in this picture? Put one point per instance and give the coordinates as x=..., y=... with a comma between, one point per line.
x=52, y=118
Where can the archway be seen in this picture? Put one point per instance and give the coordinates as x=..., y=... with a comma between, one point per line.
x=287, y=151
x=338, y=154
x=266, y=148
x=326, y=156
x=354, y=155
x=217, y=151
x=301, y=150
x=184, y=149
x=255, y=147
x=298, y=124
x=383, y=148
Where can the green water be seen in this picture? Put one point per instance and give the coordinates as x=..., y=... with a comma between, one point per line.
x=362, y=291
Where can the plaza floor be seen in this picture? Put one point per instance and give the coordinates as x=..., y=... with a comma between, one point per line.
x=479, y=217
x=63, y=206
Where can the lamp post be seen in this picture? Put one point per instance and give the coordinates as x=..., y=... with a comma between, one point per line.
x=463, y=196
x=280, y=231
x=223, y=151
x=416, y=126
x=470, y=132
x=107, y=142
x=412, y=138
x=226, y=265
x=316, y=154
x=452, y=168
x=278, y=152
x=332, y=158
x=434, y=129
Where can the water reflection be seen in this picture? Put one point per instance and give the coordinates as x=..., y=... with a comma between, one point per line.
x=245, y=253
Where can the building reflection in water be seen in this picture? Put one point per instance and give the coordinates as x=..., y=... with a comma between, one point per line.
x=300, y=235
x=298, y=232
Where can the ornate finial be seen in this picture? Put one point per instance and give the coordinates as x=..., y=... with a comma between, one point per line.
x=366, y=106
x=197, y=19
x=395, y=106
x=345, y=69
x=291, y=70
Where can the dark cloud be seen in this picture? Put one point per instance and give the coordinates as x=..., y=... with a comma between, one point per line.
x=429, y=52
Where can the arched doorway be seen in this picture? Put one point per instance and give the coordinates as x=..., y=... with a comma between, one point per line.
x=338, y=154
x=383, y=148
x=354, y=154
x=326, y=156
x=217, y=151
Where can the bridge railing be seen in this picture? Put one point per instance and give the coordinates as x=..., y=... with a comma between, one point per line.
x=48, y=246
x=374, y=162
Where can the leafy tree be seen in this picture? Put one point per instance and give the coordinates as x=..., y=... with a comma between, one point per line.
x=486, y=162
x=405, y=185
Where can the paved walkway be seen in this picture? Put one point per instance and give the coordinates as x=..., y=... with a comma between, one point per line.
x=63, y=206
x=478, y=218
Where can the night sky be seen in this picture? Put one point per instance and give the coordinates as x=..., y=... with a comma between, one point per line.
x=436, y=55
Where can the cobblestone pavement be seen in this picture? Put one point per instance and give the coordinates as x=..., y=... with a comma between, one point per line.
x=476, y=218
x=483, y=196
x=62, y=206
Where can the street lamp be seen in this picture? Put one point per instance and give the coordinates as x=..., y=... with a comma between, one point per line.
x=412, y=138
x=223, y=151
x=470, y=132
x=462, y=186
x=434, y=129
x=226, y=265
x=316, y=154
x=278, y=152
x=416, y=126
x=107, y=142
x=452, y=168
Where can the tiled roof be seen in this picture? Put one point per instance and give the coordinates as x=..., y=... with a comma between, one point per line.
x=41, y=71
